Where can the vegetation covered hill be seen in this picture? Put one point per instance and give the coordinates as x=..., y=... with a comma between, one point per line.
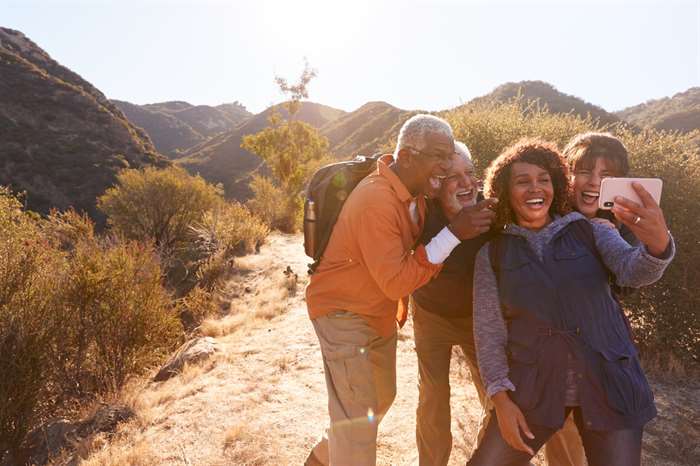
x=177, y=126
x=545, y=93
x=62, y=140
x=167, y=132
x=222, y=160
x=678, y=113
x=366, y=130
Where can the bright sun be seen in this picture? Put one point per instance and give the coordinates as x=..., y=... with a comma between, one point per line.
x=314, y=25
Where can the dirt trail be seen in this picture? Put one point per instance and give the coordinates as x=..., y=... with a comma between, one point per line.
x=263, y=399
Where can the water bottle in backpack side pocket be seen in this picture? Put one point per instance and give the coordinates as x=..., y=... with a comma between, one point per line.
x=310, y=228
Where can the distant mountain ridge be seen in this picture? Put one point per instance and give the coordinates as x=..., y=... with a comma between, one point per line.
x=681, y=112
x=365, y=130
x=545, y=93
x=176, y=126
x=61, y=140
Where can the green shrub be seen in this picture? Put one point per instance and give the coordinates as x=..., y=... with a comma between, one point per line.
x=28, y=267
x=489, y=127
x=113, y=317
x=273, y=205
x=198, y=305
x=134, y=320
x=226, y=231
x=665, y=315
x=79, y=314
x=158, y=205
x=195, y=231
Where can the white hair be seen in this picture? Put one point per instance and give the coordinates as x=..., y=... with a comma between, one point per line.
x=412, y=133
x=462, y=149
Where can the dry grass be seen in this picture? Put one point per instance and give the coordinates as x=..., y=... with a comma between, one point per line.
x=245, y=447
x=119, y=452
x=220, y=327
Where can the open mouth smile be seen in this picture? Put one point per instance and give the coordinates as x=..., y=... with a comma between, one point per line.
x=465, y=194
x=535, y=203
x=590, y=197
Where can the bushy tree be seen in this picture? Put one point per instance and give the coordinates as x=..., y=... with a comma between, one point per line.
x=292, y=150
x=186, y=218
x=157, y=205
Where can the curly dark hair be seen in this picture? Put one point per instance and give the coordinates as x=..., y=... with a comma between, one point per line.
x=536, y=152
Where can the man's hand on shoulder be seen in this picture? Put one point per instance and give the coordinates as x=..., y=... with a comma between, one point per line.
x=473, y=221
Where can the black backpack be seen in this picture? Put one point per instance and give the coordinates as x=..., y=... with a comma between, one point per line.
x=326, y=193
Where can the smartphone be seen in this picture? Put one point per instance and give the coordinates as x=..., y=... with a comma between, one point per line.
x=612, y=187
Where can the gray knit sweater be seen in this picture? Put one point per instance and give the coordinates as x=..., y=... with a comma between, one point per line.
x=632, y=267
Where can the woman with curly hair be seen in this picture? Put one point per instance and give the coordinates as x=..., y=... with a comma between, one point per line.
x=550, y=338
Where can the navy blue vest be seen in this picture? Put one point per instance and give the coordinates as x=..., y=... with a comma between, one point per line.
x=562, y=307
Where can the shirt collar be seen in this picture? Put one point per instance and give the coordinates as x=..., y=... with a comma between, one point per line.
x=384, y=170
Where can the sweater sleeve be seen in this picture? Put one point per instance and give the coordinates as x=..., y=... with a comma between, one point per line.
x=633, y=266
x=490, y=332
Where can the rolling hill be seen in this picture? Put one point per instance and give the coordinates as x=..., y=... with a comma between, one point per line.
x=177, y=126
x=545, y=93
x=62, y=140
x=678, y=113
x=366, y=130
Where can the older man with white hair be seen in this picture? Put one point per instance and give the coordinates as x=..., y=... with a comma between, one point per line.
x=442, y=314
x=359, y=290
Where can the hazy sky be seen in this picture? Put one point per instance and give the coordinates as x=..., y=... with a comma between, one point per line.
x=413, y=54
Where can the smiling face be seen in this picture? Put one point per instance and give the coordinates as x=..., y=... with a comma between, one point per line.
x=585, y=184
x=460, y=188
x=430, y=166
x=531, y=193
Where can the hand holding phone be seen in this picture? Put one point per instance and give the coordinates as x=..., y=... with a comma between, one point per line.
x=645, y=219
x=612, y=187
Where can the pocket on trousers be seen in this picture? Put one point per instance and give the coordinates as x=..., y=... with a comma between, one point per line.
x=351, y=373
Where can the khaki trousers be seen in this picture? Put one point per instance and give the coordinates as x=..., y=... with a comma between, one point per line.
x=435, y=336
x=565, y=448
x=360, y=370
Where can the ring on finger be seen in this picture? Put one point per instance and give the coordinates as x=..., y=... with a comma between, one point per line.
x=637, y=219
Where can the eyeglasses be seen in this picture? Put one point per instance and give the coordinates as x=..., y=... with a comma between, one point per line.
x=440, y=156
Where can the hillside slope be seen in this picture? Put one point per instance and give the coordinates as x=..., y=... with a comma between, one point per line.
x=681, y=112
x=365, y=130
x=167, y=132
x=262, y=400
x=61, y=140
x=545, y=93
x=176, y=126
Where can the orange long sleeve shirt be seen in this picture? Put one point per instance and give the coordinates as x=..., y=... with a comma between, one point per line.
x=370, y=265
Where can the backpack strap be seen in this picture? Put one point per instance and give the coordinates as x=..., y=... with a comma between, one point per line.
x=583, y=231
x=495, y=255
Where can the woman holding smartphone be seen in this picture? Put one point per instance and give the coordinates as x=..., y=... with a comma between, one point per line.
x=591, y=157
x=550, y=338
